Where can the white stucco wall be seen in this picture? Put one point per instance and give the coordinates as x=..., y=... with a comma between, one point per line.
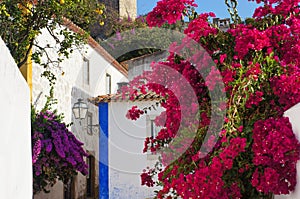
x=55, y=192
x=15, y=147
x=126, y=157
x=68, y=89
x=73, y=76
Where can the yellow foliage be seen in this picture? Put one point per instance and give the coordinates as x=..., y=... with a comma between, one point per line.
x=3, y=9
x=99, y=11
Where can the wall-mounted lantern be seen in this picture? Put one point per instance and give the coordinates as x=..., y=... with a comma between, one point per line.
x=80, y=109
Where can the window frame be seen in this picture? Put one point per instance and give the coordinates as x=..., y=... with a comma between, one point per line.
x=90, y=178
x=108, y=83
x=86, y=71
x=152, y=130
x=89, y=121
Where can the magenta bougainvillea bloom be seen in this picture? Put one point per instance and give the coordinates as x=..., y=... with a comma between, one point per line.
x=254, y=153
x=168, y=11
x=134, y=113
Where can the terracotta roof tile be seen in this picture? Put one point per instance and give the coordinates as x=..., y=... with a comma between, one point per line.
x=119, y=97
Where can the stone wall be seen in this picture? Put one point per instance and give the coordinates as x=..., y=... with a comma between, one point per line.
x=128, y=8
x=15, y=147
x=123, y=7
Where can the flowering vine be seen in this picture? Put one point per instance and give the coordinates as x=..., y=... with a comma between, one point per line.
x=254, y=153
x=56, y=152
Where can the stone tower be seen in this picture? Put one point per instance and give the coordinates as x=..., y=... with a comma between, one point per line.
x=123, y=7
x=114, y=10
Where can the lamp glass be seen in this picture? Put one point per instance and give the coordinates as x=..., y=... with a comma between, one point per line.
x=80, y=109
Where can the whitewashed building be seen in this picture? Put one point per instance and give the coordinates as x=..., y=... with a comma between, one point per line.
x=88, y=71
x=15, y=148
x=121, y=145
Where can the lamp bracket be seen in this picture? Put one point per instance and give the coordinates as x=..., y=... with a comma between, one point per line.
x=92, y=129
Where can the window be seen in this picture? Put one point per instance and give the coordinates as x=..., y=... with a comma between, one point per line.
x=90, y=179
x=153, y=129
x=108, y=83
x=89, y=123
x=86, y=71
x=69, y=189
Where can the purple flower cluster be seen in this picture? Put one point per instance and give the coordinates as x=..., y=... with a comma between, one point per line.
x=36, y=151
x=57, y=154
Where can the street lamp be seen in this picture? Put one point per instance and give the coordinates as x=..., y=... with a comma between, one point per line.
x=80, y=109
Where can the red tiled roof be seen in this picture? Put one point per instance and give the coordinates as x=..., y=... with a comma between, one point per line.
x=119, y=97
x=96, y=46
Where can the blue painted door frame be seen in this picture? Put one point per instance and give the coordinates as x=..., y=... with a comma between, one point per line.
x=103, y=151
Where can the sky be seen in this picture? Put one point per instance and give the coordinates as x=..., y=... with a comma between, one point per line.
x=245, y=8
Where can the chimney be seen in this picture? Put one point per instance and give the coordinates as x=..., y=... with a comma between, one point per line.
x=121, y=84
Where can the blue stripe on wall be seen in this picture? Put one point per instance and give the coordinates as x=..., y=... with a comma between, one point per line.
x=103, y=151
